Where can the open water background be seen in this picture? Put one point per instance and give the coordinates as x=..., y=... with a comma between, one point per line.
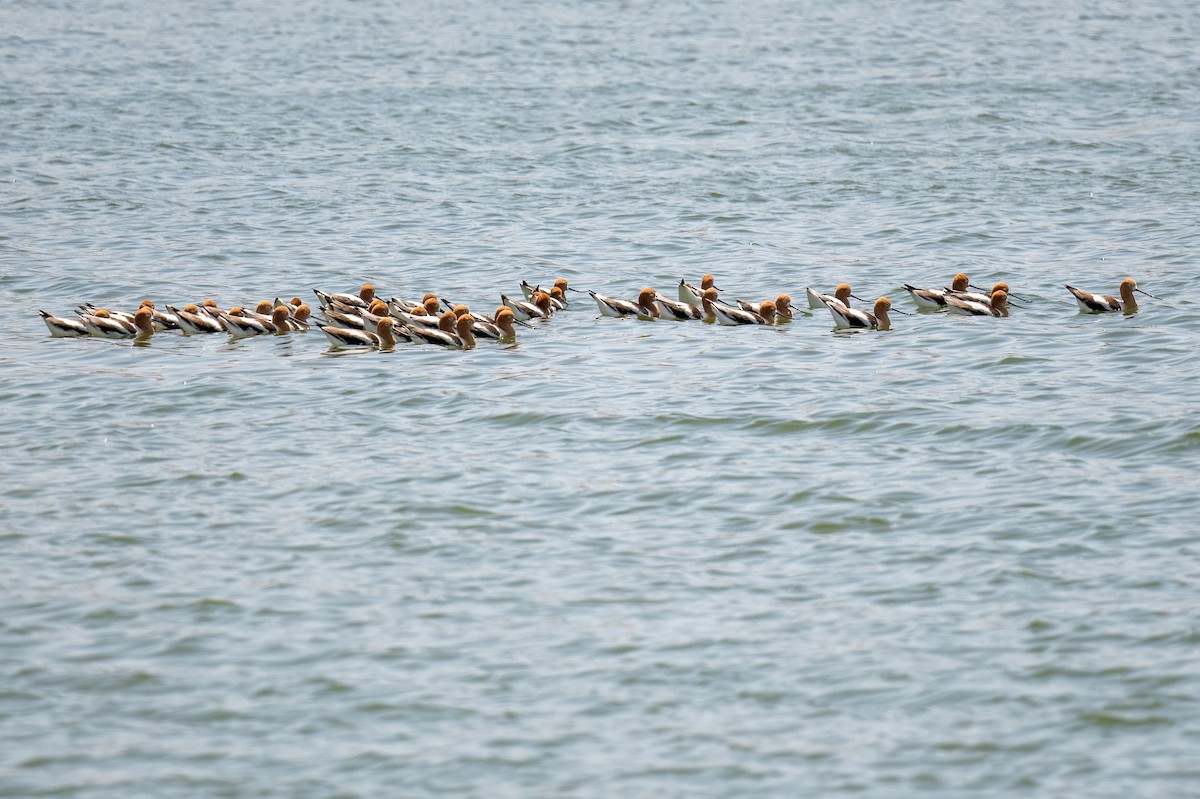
x=618, y=558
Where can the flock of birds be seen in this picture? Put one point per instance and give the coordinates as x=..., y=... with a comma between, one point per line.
x=365, y=320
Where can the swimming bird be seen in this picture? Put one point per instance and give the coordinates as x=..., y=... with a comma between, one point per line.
x=724, y=315
x=383, y=338
x=461, y=338
x=674, y=309
x=361, y=300
x=615, y=308
x=996, y=306
x=63, y=328
x=694, y=296
x=103, y=325
x=841, y=294
x=239, y=324
x=783, y=307
x=194, y=322
x=844, y=317
x=933, y=299
x=540, y=308
x=980, y=297
x=1101, y=303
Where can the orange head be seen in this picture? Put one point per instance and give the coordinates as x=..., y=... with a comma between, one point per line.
x=303, y=312
x=882, y=306
x=464, y=329
x=561, y=284
x=144, y=320
x=146, y=304
x=191, y=309
x=767, y=311
x=295, y=302
x=709, y=295
x=504, y=316
x=446, y=321
x=842, y=292
x=557, y=293
x=386, y=333
x=542, y=300
x=367, y=292
x=431, y=306
x=459, y=310
x=427, y=297
x=280, y=314
x=264, y=307
x=960, y=282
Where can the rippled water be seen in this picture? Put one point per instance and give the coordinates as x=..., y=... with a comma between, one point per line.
x=617, y=557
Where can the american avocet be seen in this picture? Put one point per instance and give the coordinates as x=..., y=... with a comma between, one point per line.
x=503, y=320
x=783, y=307
x=694, y=296
x=841, y=293
x=724, y=315
x=844, y=317
x=540, y=308
x=162, y=321
x=103, y=325
x=673, y=309
x=283, y=321
x=1100, y=303
x=462, y=338
x=240, y=324
x=344, y=318
x=979, y=296
x=300, y=317
x=932, y=299
x=360, y=300
x=996, y=306
x=193, y=322
x=561, y=284
x=615, y=308
x=63, y=328
x=370, y=316
x=383, y=338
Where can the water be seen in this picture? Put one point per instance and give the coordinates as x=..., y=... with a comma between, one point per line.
x=618, y=557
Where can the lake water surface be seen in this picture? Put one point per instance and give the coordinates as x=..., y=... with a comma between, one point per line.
x=617, y=558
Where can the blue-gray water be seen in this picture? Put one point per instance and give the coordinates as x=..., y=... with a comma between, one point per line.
x=619, y=558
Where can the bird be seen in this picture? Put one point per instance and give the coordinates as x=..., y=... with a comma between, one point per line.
x=841, y=294
x=461, y=338
x=1101, y=303
x=63, y=328
x=242, y=326
x=783, y=307
x=500, y=326
x=103, y=324
x=615, y=308
x=844, y=317
x=933, y=299
x=692, y=295
x=674, y=309
x=983, y=297
x=383, y=338
x=540, y=308
x=996, y=306
x=361, y=300
x=193, y=322
x=724, y=315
